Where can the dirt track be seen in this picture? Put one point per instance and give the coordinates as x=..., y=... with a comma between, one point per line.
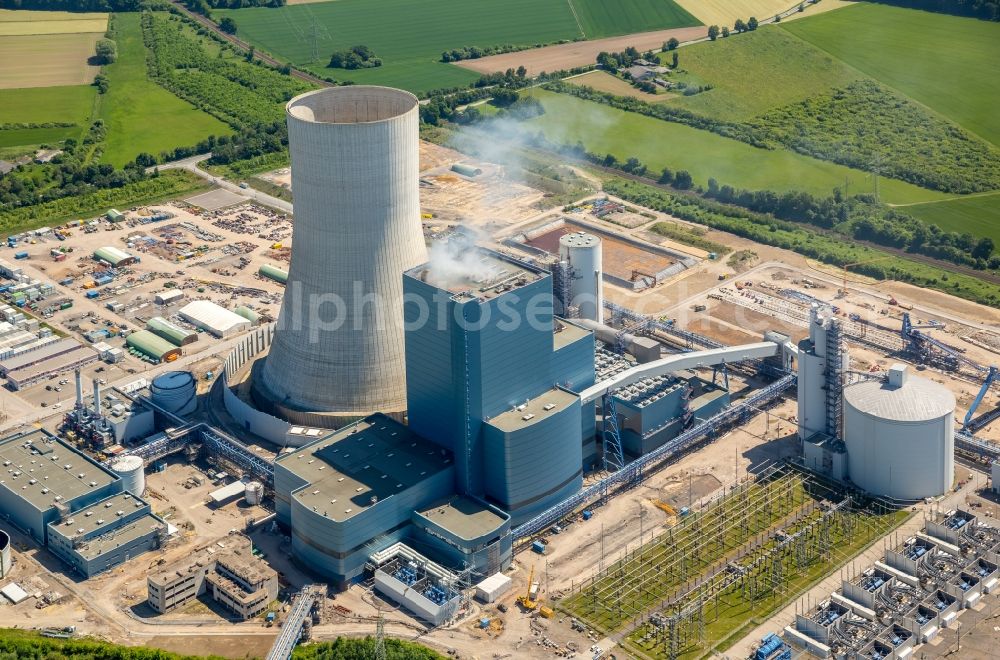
x=578, y=53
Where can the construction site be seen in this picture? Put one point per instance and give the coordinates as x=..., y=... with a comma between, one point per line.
x=670, y=453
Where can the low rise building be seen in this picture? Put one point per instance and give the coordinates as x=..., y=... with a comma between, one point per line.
x=228, y=572
x=217, y=320
x=115, y=257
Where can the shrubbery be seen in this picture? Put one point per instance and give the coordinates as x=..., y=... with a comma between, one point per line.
x=355, y=57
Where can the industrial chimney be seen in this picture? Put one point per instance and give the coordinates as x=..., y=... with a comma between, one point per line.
x=338, y=347
x=79, y=390
x=97, y=398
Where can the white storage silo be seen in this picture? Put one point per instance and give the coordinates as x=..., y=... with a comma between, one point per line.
x=5, y=554
x=175, y=391
x=582, y=251
x=900, y=436
x=254, y=493
x=338, y=349
x=130, y=469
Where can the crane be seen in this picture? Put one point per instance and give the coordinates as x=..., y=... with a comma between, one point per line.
x=529, y=600
x=970, y=425
x=843, y=288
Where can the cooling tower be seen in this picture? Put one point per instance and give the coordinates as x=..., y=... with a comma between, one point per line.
x=338, y=348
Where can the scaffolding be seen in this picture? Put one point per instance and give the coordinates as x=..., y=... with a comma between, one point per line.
x=834, y=377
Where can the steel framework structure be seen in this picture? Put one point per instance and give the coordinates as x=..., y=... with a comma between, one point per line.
x=291, y=629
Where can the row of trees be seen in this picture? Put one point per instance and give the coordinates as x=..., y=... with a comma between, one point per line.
x=714, y=31
x=475, y=52
x=613, y=61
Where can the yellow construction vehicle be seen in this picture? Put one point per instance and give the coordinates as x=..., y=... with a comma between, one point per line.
x=664, y=507
x=529, y=601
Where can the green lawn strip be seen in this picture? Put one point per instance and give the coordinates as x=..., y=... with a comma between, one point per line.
x=140, y=115
x=169, y=184
x=41, y=105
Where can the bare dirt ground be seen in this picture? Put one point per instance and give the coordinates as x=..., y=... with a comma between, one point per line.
x=621, y=259
x=48, y=60
x=577, y=53
x=603, y=81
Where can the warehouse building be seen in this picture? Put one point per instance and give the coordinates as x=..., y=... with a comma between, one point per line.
x=114, y=257
x=26, y=369
x=232, y=577
x=217, y=320
x=172, y=332
x=248, y=314
x=107, y=533
x=152, y=346
x=44, y=479
x=517, y=421
x=169, y=296
x=273, y=273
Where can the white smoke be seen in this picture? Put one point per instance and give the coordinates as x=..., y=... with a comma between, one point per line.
x=457, y=260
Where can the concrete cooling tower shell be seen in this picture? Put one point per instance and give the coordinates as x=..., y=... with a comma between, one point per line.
x=6, y=560
x=900, y=436
x=338, y=348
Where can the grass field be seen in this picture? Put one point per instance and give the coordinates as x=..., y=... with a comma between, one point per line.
x=976, y=214
x=604, y=18
x=759, y=71
x=410, y=36
x=47, y=104
x=140, y=115
x=705, y=155
x=47, y=60
x=947, y=63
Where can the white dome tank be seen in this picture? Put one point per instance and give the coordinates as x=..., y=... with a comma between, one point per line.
x=900, y=436
x=175, y=391
x=582, y=252
x=254, y=493
x=130, y=469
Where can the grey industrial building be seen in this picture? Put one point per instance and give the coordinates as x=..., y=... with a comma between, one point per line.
x=75, y=506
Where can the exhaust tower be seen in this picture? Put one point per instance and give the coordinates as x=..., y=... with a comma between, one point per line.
x=338, y=350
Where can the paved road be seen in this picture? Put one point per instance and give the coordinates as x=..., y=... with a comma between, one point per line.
x=191, y=165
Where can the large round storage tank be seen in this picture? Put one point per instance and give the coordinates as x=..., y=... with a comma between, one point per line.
x=5, y=556
x=175, y=391
x=130, y=469
x=582, y=252
x=254, y=493
x=900, y=436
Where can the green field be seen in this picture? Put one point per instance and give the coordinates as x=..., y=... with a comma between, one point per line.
x=140, y=115
x=947, y=63
x=705, y=155
x=758, y=71
x=40, y=105
x=976, y=214
x=410, y=36
x=601, y=18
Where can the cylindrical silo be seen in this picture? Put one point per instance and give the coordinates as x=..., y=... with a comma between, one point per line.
x=254, y=493
x=582, y=252
x=130, y=469
x=6, y=559
x=900, y=436
x=338, y=346
x=175, y=391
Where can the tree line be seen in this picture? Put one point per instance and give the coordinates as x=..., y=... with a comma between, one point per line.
x=987, y=10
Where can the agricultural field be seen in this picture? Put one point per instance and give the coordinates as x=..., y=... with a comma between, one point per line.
x=725, y=12
x=659, y=144
x=601, y=18
x=44, y=105
x=15, y=22
x=605, y=82
x=140, y=115
x=759, y=71
x=50, y=60
x=947, y=63
x=410, y=37
x=976, y=214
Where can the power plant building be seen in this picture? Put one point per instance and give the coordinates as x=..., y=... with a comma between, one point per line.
x=338, y=351
x=370, y=485
x=488, y=375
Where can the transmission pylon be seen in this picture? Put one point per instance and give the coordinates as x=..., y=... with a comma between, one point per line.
x=380, y=652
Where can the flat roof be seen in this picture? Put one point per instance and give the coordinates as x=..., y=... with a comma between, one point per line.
x=64, y=361
x=42, y=458
x=376, y=457
x=45, y=352
x=464, y=517
x=92, y=518
x=549, y=403
x=460, y=268
x=565, y=333
x=119, y=536
x=211, y=316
